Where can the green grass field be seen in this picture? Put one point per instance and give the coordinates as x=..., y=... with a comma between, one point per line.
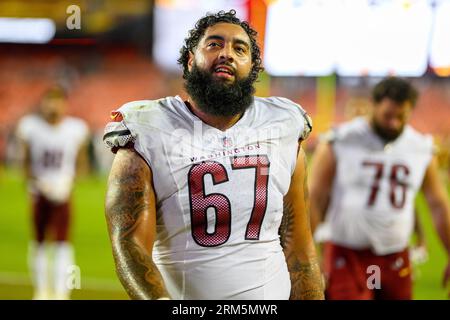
x=89, y=234
x=93, y=252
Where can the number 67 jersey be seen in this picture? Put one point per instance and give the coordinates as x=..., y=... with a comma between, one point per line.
x=219, y=193
x=375, y=185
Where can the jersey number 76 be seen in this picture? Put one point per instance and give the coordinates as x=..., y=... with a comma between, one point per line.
x=398, y=188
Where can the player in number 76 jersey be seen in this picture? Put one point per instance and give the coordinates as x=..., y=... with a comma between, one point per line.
x=365, y=177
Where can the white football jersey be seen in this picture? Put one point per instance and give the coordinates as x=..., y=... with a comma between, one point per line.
x=53, y=151
x=219, y=194
x=375, y=185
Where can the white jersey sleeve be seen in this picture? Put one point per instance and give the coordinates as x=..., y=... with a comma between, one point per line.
x=25, y=127
x=80, y=130
x=302, y=119
x=120, y=132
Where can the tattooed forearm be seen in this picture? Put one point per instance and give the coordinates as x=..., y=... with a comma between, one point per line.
x=306, y=280
x=137, y=272
x=286, y=227
x=127, y=203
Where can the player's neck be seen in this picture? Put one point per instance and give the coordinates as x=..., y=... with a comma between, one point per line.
x=53, y=120
x=219, y=122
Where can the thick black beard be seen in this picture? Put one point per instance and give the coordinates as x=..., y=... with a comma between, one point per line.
x=217, y=98
x=386, y=135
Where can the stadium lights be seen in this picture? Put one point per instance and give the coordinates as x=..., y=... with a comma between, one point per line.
x=26, y=30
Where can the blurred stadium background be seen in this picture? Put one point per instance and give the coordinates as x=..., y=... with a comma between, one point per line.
x=325, y=55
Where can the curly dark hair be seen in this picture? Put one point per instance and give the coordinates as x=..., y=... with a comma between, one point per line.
x=209, y=20
x=396, y=89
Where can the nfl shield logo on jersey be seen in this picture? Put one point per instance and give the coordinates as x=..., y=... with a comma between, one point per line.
x=227, y=142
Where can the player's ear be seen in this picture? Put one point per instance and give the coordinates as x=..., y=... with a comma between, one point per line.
x=190, y=61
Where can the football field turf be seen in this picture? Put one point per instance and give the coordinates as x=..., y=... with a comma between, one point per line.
x=93, y=252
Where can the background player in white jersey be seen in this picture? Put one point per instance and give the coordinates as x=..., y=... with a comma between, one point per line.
x=196, y=192
x=365, y=177
x=52, y=144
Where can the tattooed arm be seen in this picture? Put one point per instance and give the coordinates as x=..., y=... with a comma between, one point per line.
x=296, y=238
x=131, y=218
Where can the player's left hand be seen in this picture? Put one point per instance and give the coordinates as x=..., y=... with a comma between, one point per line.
x=418, y=254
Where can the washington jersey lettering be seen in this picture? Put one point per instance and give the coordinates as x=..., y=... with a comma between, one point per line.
x=53, y=151
x=219, y=193
x=375, y=187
